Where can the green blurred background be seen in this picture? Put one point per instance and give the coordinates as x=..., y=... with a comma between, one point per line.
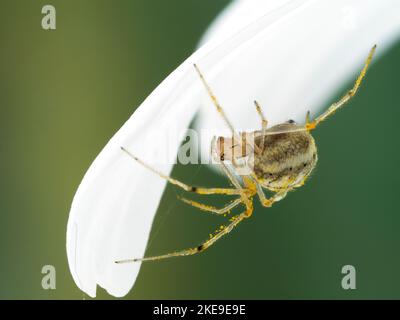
x=64, y=93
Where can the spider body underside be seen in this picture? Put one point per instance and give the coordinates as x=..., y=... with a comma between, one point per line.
x=279, y=159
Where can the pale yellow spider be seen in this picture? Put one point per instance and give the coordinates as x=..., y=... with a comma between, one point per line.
x=281, y=158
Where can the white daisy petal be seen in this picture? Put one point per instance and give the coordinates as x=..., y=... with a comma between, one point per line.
x=290, y=55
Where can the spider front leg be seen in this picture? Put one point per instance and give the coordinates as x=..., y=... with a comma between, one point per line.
x=202, y=247
x=234, y=135
x=310, y=125
x=184, y=186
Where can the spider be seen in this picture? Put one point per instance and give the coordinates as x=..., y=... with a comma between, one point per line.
x=278, y=159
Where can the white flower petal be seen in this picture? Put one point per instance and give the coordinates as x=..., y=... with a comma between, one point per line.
x=114, y=206
x=287, y=54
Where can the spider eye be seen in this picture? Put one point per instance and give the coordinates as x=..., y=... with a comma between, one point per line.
x=291, y=121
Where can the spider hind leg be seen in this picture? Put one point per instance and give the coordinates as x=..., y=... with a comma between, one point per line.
x=200, y=248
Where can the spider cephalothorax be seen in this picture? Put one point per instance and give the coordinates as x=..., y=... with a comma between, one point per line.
x=279, y=159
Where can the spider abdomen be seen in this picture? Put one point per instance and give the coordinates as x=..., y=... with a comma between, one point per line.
x=286, y=159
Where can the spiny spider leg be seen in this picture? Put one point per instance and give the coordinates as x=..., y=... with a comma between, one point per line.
x=246, y=198
x=205, y=245
x=311, y=125
x=233, y=179
x=335, y=106
x=235, y=136
x=215, y=101
x=182, y=185
x=236, y=183
x=212, y=209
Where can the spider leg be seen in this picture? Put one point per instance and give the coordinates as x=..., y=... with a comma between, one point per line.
x=212, y=209
x=351, y=93
x=246, y=199
x=233, y=179
x=215, y=100
x=268, y=202
x=264, y=121
x=220, y=110
x=184, y=186
x=311, y=125
x=264, y=124
x=245, y=193
x=205, y=245
x=231, y=176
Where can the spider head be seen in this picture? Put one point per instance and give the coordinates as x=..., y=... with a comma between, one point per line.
x=227, y=148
